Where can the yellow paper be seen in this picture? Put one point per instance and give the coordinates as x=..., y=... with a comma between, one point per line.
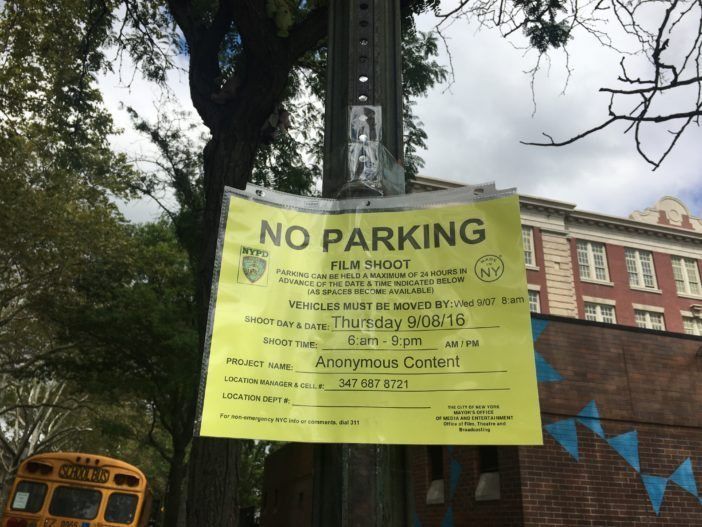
x=401, y=327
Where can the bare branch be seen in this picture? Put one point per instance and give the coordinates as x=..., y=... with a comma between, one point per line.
x=572, y=139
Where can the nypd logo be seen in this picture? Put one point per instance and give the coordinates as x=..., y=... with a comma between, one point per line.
x=253, y=266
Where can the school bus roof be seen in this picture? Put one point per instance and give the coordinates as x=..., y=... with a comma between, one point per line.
x=83, y=459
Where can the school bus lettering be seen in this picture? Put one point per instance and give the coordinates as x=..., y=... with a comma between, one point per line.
x=83, y=473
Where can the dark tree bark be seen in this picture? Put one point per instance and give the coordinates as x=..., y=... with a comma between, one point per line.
x=235, y=110
x=176, y=477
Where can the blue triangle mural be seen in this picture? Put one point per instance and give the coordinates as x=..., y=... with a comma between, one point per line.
x=544, y=371
x=455, y=474
x=417, y=521
x=590, y=417
x=655, y=486
x=627, y=445
x=448, y=518
x=537, y=327
x=566, y=435
x=684, y=477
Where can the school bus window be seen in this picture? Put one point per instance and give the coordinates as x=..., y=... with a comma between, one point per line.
x=29, y=496
x=121, y=508
x=74, y=502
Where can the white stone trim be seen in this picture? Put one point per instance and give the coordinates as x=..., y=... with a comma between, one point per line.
x=652, y=309
x=646, y=289
x=691, y=297
x=596, y=300
x=598, y=282
x=634, y=240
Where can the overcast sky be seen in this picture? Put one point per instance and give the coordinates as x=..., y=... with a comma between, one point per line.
x=475, y=127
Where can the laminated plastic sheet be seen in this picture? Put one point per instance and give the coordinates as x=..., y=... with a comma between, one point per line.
x=371, y=167
x=400, y=320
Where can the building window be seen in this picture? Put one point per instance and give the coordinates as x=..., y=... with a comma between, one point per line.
x=649, y=319
x=687, y=276
x=692, y=326
x=534, y=302
x=599, y=313
x=639, y=265
x=592, y=261
x=488, y=487
x=435, y=453
x=488, y=459
x=528, y=242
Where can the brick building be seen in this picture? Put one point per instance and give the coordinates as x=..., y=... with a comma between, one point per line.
x=622, y=439
x=639, y=271
x=617, y=307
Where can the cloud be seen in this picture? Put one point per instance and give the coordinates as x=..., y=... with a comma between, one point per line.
x=474, y=128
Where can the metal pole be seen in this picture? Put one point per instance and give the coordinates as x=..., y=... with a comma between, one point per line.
x=361, y=485
x=364, y=68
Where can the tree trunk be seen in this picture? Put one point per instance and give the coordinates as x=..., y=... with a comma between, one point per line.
x=213, y=483
x=229, y=158
x=176, y=475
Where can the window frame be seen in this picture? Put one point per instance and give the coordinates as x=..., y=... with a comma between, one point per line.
x=638, y=263
x=135, y=512
x=528, y=239
x=599, y=317
x=35, y=485
x=64, y=514
x=696, y=324
x=586, y=247
x=682, y=262
x=537, y=300
x=648, y=319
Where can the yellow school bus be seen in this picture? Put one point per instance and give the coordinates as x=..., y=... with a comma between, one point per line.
x=62, y=489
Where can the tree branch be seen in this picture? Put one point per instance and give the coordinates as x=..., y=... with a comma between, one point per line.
x=307, y=34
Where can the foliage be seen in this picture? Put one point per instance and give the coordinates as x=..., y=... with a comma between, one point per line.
x=54, y=224
x=420, y=72
x=292, y=159
x=56, y=166
x=119, y=428
x=133, y=324
x=50, y=55
x=176, y=170
x=134, y=319
x=61, y=229
x=253, y=456
x=541, y=26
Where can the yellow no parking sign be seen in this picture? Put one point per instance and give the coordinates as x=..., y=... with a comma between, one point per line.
x=399, y=320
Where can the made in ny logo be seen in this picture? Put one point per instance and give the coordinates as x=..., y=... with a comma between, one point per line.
x=489, y=268
x=253, y=266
